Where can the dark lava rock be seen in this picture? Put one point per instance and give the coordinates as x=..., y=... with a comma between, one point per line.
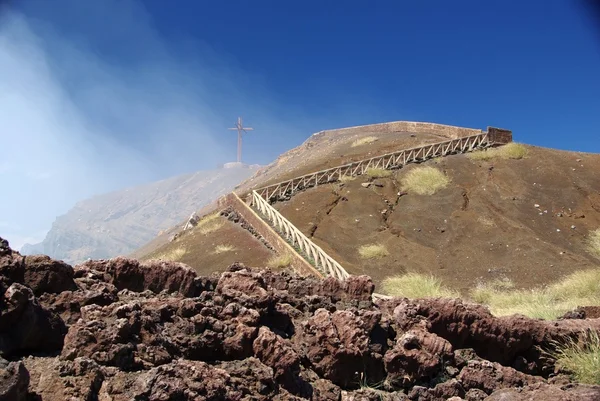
x=123, y=330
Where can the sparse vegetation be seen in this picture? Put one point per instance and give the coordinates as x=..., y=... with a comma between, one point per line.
x=223, y=248
x=347, y=178
x=210, y=223
x=378, y=172
x=373, y=251
x=280, y=261
x=172, y=255
x=594, y=242
x=578, y=289
x=580, y=359
x=366, y=384
x=424, y=180
x=364, y=141
x=511, y=150
x=414, y=285
x=486, y=221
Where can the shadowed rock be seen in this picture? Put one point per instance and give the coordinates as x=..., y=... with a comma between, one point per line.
x=158, y=332
x=14, y=380
x=25, y=326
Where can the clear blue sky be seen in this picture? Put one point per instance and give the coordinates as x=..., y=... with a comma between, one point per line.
x=531, y=66
x=109, y=93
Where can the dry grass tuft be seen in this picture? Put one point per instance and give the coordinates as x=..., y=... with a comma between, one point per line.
x=486, y=221
x=347, y=178
x=210, y=223
x=364, y=141
x=578, y=289
x=223, y=248
x=378, y=173
x=580, y=358
x=280, y=261
x=594, y=242
x=511, y=150
x=172, y=255
x=424, y=180
x=414, y=285
x=373, y=251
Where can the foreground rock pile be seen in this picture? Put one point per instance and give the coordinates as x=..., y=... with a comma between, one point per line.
x=120, y=330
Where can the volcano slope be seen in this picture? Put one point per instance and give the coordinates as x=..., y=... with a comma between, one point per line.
x=120, y=330
x=524, y=220
x=322, y=150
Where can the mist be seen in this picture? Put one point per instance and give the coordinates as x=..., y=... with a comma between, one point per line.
x=93, y=99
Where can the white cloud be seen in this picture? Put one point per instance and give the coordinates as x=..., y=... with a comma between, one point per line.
x=78, y=121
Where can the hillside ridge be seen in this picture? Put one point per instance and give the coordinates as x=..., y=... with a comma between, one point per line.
x=118, y=222
x=262, y=197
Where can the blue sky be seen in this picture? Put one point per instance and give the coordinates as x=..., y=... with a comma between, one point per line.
x=113, y=93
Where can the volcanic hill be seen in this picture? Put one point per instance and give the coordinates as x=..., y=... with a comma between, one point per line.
x=524, y=219
x=119, y=222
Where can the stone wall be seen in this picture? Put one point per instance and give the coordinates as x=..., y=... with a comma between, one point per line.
x=299, y=264
x=448, y=131
x=499, y=135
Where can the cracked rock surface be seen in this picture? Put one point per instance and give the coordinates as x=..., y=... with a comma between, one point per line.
x=124, y=330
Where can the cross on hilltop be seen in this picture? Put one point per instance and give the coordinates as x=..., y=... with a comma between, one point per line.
x=240, y=128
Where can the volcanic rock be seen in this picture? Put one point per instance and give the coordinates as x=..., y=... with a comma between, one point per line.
x=121, y=330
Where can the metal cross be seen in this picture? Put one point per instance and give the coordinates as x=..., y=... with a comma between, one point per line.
x=240, y=128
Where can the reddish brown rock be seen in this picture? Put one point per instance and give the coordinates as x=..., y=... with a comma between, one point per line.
x=489, y=376
x=572, y=392
x=511, y=341
x=443, y=391
x=14, y=381
x=54, y=380
x=157, y=332
x=155, y=276
x=25, y=326
x=418, y=355
x=337, y=345
x=277, y=353
x=245, y=287
x=46, y=275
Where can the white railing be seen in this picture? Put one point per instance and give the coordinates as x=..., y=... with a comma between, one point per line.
x=323, y=262
x=262, y=197
x=397, y=159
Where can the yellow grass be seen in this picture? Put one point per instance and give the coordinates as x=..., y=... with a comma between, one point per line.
x=424, y=180
x=280, y=261
x=210, y=223
x=347, y=178
x=512, y=150
x=223, y=248
x=172, y=255
x=580, y=359
x=378, y=172
x=364, y=141
x=373, y=251
x=486, y=221
x=594, y=242
x=578, y=289
x=414, y=285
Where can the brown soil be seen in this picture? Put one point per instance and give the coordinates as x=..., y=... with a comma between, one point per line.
x=320, y=151
x=330, y=149
x=201, y=255
x=483, y=226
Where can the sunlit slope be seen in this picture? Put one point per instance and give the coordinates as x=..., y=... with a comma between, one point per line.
x=526, y=219
x=321, y=150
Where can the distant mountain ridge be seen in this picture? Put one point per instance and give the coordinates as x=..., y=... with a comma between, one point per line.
x=119, y=222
